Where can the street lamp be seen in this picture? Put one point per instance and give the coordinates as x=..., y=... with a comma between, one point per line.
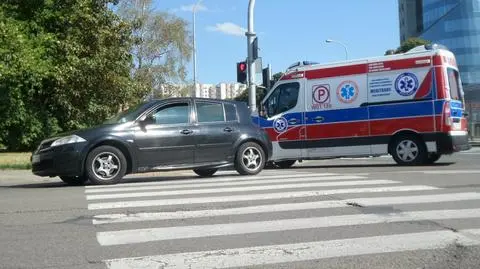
x=338, y=42
x=194, y=11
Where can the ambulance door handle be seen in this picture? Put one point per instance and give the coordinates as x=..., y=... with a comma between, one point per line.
x=292, y=121
x=319, y=119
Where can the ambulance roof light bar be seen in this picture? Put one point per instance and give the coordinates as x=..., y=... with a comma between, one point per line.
x=298, y=64
x=427, y=47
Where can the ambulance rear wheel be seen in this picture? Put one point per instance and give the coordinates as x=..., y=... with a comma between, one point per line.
x=409, y=150
x=285, y=164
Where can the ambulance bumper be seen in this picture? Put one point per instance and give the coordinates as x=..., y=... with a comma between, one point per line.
x=448, y=143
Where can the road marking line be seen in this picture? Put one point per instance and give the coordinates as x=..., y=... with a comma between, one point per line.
x=122, y=237
x=274, y=254
x=239, y=189
x=252, y=197
x=450, y=172
x=217, y=184
x=376, y=201
x=173, y=181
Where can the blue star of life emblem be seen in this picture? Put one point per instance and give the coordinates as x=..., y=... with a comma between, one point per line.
x=406, y=84
x=280, y=125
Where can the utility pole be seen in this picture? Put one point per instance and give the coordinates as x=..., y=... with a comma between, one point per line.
x=194, y=90
x=251, y=61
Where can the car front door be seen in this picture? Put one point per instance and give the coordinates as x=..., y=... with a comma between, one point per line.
x=218, y=129
x=166, y=136
x=283, y=119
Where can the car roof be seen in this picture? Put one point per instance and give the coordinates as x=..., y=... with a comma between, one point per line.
x=199, y=99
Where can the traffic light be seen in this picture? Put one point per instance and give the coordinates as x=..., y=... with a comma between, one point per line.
x=242, y=72
x=267, y=77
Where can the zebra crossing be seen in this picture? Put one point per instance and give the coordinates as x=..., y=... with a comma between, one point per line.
x=276, y=202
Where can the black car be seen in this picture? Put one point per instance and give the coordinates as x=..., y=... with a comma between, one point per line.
x=170, y=134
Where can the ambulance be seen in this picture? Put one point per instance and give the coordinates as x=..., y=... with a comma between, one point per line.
x=408, y=105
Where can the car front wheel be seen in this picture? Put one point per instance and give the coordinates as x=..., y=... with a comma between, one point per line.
x=250, y=159
x=105, y=165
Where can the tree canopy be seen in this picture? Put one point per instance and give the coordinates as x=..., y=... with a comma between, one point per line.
x=408, y=45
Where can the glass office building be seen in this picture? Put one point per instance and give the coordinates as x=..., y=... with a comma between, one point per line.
x=455, y=24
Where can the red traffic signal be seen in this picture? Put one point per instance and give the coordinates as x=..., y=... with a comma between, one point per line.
x=242, y=72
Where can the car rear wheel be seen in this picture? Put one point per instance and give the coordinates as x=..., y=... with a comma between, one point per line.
x=285, y=164
x=409, y=150
x=432, y=158
x=106, y=165
x=74, y=181
x=250, y=159
x=205, y=172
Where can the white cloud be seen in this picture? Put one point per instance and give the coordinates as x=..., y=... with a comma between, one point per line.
x=228, y=28
x=189, y=8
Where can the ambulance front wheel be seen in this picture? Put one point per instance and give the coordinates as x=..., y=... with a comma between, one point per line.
x=409, y=150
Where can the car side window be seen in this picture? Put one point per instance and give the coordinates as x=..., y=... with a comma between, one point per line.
x=230, y=112
x=177, y=113
x=210, y=112
x=284, y=98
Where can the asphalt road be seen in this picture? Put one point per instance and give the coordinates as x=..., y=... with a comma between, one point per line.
x=340, y=213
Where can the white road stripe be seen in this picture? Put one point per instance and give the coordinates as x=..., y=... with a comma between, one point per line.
x=219, y=184
x=273, y=254
x=251, y=197
x=452, y=172
x=239, y=189
x=153, y=216
x=123, y=237
x=210, y=180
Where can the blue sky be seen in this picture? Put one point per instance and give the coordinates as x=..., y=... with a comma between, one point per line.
x=288, y=31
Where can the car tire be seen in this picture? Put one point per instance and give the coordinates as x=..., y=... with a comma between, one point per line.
x=408, y=150
x=205, y=172
x=285, y=164
x=74, y=181
x=105, y=165
x=249, y=159
x=432, y=158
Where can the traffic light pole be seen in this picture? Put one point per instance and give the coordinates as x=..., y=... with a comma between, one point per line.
x=252, y=95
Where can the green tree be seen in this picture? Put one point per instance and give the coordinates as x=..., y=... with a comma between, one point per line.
x=64, y=64
x=410, y=44
x=260, y=92
x=162, y=44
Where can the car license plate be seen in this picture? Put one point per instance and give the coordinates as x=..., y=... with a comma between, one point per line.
x=35, y=158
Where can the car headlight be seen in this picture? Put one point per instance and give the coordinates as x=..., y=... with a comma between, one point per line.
x=67, y=140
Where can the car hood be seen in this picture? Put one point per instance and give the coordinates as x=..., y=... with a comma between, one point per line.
x=93, y=131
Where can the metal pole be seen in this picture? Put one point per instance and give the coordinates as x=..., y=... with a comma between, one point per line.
x=194, y=91
x=251, y=63
x=338, y=42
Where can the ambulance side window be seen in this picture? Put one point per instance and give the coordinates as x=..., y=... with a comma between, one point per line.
x=283, y=98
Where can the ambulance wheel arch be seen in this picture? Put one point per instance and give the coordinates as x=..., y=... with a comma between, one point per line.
x=408, y=148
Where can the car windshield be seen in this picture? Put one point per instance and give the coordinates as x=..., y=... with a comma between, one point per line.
x=130, y=114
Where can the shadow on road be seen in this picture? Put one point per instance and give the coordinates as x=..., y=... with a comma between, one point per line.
x=376, y=165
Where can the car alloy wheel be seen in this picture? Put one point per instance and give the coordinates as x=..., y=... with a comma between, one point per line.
x=106, y=165
x=250, y=159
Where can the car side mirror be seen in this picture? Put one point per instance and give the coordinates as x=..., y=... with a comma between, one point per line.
x=262, y=112
x=147, y=121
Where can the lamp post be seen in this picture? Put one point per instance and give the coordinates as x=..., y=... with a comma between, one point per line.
x=338, y=42
x=251, y=61
x=194, y=11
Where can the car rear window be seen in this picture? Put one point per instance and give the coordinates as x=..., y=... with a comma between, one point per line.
x=210, y=112
x=230, y=112
x=454, y=83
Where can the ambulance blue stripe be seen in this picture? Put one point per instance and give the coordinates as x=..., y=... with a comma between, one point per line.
x=378, y=112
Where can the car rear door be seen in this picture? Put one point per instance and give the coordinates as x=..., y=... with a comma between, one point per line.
x=218, y=129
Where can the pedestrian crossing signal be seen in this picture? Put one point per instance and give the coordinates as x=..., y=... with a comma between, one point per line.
x=242, y=72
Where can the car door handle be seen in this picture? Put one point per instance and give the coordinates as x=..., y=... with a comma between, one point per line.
x=228, y=130
x=319, y=119
x=292, y=121
x=186, y=132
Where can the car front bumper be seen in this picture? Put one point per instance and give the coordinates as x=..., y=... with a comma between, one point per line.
x=64, y=160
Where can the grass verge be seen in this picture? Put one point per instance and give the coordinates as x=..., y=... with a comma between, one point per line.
x=15, y=160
